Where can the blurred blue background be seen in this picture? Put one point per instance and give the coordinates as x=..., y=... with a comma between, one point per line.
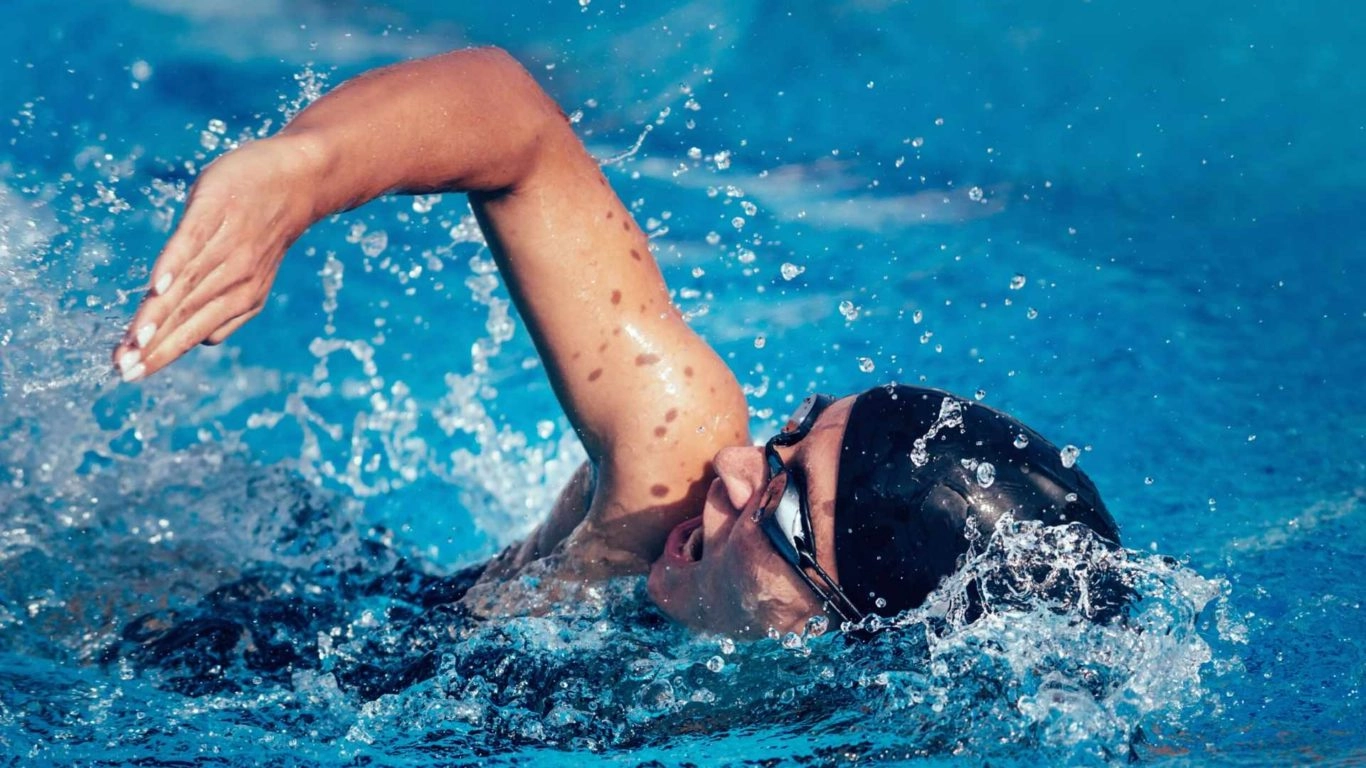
x=1178, y=187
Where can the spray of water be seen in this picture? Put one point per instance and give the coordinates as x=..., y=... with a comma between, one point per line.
x=287, y=618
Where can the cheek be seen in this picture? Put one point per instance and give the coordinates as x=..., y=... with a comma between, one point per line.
x=776, y=597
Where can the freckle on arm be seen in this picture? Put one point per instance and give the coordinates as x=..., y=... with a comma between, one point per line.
x=661, y=431
x=671, y=415
x=635, y=254
x=595, y=375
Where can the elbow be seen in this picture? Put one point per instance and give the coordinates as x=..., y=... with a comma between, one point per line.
x=537, y=129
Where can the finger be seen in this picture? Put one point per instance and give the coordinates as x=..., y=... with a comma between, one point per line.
x=230, y=327
x=194, y=234
x=156, y=314
x=205, y=277
x=215, y=301
x=178, y=339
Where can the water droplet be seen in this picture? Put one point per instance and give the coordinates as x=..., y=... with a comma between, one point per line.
x=738, y=222
x=727, y=645
x=817, y=625
x=1069, y=455
x=849, y=311
x=424, y=203
x=218, y=126
x=1148, y=480
x=1017, y=282
x=975, y=194
x=880, y=603
x=1031, y=313
x=790, y=270
x=1251, y=438
x=980, y=394
x=749, y=208
x=716, y=663
x=772, y=634
x=713, y=238
x=865, y=364
x=694, y=153
x=917, y=316
x=760, y=341
x=1021, y=440
x=545, y=428
x=1071, y=497
x=722, y=160
x=374, y=243
x=792, y=641
x=939, y=121
x=986, y=474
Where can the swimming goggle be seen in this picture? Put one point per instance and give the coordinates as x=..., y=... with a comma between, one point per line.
x=784, y=514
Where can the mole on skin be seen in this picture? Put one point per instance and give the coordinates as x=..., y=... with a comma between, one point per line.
x=647, y=359
x=609, y=214
x=616, y=297
x=661, y=431
x=671, y=415
x=635, y=254
x=659, y=490
x=687, y=371
x=597, y=372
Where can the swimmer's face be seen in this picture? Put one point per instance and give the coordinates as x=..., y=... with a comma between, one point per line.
x=720, y=573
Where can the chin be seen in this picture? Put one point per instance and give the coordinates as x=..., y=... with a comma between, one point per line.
x=658, y=586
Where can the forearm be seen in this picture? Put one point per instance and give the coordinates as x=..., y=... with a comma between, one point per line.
x=470, y=120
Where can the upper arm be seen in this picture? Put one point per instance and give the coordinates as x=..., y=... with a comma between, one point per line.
x=651, y=400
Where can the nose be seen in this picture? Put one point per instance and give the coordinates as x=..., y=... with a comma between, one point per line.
x=741, y=470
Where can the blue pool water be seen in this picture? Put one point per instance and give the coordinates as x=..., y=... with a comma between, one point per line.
x=1178, y=191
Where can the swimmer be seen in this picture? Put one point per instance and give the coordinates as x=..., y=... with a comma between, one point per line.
x=859, y=506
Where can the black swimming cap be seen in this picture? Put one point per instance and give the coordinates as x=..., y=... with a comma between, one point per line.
x=916, y=465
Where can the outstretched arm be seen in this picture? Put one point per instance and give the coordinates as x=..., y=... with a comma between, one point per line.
x=650, y=400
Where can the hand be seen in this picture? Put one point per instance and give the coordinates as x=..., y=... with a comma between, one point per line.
x=213, y=276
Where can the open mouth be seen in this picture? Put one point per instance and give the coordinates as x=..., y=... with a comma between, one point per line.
x=685, y=542
x=692, y=546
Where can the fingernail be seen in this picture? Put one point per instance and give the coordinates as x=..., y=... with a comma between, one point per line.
x=129, y=360
x=163, y=284
x=134, y=373
x=145, y=334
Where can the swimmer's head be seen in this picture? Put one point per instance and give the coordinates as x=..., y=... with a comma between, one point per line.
x=861, y=506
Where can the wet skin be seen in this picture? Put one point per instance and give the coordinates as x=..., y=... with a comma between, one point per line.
x=740, y=585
